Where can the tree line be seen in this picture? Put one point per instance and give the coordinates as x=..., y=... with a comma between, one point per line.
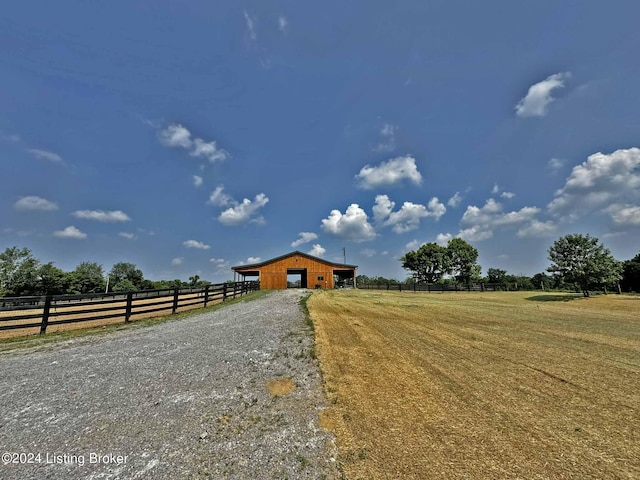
x=21, y=274
x=578, y=262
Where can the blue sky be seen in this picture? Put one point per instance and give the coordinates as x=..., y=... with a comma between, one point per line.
x=187, y=137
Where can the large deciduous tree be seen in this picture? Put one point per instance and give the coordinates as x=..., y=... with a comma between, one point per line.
x=88, y=277
x=126, y=271
x=18, y=272
x=428, y=264
x=462, y=260
x=631, y=275
x=582, y=260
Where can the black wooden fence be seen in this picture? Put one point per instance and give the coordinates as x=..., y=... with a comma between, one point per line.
x=435, y=287
x=44, y=311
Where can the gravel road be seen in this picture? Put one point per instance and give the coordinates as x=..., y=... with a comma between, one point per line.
x=187, y=398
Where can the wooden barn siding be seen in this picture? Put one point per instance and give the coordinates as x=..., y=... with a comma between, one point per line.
x=273, y=276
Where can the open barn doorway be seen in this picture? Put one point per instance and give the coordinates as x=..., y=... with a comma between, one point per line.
x=296, y=278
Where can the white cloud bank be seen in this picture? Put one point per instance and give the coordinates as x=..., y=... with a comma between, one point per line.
x=102, y=216
x=70, y=232
x=391, y=172
x=599, y=183
x=178, y=136
x=34, y=203
x=352, y=225
x=538, y=98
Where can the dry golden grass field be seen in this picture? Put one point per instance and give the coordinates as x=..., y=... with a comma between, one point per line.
x=481, y=385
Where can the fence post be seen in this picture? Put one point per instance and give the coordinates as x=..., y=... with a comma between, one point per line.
x=235, y=286
x=127, y=315
x=224, y=291
x=400, y=287
x=206, y=295
x=176, y=293
x=45, y=314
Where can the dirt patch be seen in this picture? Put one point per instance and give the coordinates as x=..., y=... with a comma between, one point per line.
x=480, y=385
x=280, y=387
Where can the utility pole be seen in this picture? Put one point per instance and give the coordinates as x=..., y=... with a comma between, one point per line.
x=344, y=254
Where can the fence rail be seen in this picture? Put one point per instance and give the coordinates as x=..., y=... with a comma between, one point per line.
x=52, y=310
x=435, y=287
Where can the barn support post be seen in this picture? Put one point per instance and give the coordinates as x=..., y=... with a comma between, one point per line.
x=45, y=314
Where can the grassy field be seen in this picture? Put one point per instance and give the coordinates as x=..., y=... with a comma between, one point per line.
x=481, y=385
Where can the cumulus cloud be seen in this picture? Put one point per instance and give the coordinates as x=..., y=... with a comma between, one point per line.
x=507, y=195
x=408, y=217
x=495, y=189
x=391, y=172
x=624, y=215
x=535, y=229
x=304, y=237
x=177, y=261
x=352, y=225
x=317, y=250
x=219, y=198
x=197, y=181
x=34, y=203
x=178, y=136
x=70, y=232
x=454, y=201
x=443, y=238
x=195, y=244
x=127, y=235
x=102, y=216
x=602, y=180
x=413, y=245
x=535, y=103
x=245, y=211
x=253, y=259
x=368, y=252
x=45, y=155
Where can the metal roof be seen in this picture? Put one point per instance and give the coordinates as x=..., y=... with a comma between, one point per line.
x=297, y=252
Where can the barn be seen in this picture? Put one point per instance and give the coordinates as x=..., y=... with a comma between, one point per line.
x=308, y=271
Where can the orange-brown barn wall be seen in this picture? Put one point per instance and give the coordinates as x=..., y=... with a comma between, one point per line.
x=273, y=276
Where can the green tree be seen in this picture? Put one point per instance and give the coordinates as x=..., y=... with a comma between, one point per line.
x=88, y=277
x=582, y=260
x=462, y=260
x=631, y=275
x=429, y=263
x=496, y=275
x=18, y=272
x=542, y=281
x=124, y=285
x=126, y=271
x=51, y=280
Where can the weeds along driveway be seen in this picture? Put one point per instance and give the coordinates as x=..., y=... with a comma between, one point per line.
x=233, y=393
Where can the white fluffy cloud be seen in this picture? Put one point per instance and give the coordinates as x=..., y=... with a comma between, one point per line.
x=624, y=215
x=195, y=244
x=45, y=155
x=70, y=232
x=602, y=180
x=102, y=216
x=177, y=261
x=409, y=215
x=507, y=195
x=391, y=172
x=197, y=181
x=352, y=225
x=535, y=228
x=245, y=211
x=177, y=136
x=443, y=238
x=253, y=260
x=34, y=203
x=127, y=235
x=387, y=141
x=555, y=164
x=454, y=201
x=219, y=198
x=317, y=250
x=535, y=103
x=304, y=237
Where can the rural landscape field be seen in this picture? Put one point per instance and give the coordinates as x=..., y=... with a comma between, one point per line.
x=493, y=385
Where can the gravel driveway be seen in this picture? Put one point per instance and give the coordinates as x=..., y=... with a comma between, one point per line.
x=181, y=399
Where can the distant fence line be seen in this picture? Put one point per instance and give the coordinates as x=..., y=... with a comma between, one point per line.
x=56, y=309
x=435, y=287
